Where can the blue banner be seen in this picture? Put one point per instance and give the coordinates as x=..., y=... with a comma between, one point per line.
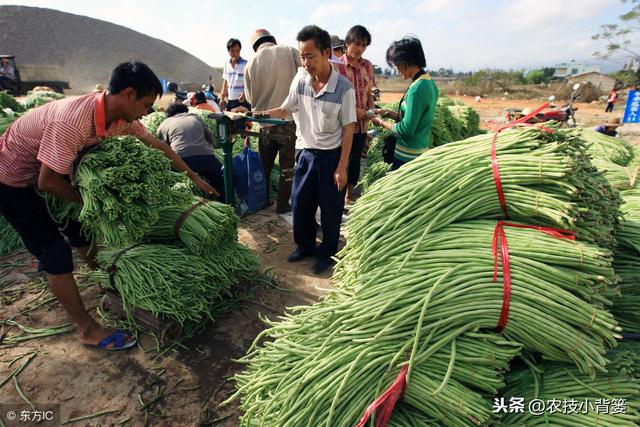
x=632, y=110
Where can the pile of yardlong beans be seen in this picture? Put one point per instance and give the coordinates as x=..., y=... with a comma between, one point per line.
x=605, y=147
x=331, y=354
x=168, y=280
x=123, y=185
x=547, y=180
x=203, y=228
x=626, y=306
x=417, y=276
x=620, y=177
x=592, y=401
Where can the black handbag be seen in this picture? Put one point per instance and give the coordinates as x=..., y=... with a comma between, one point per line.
x=389, y=148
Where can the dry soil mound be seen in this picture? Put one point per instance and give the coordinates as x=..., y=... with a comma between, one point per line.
x=87, y=49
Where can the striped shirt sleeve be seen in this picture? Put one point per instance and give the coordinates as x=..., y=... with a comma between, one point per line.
x=138, y=130
x=59, y=146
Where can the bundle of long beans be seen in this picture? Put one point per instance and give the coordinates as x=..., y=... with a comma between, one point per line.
x=546, y=177
x=375, y=167
x=635, y=159
x=200, y=224
x=626, y=358
x=153, y=120
x=626, y=306
x=168, y=280
x=605, y=147
x=611, y=399
x=620, y=177
x=361, y=333
x=8, y=101
x=311, y=375
x=123, y=184
x=452, y=121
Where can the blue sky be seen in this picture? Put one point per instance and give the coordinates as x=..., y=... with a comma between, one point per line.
x=459, y=34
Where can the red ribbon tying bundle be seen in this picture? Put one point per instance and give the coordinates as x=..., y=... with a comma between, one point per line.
x=499, y=234
x=522, y=121
x=387, y=401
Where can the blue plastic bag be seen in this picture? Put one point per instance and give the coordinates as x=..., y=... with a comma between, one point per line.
x=249, y=180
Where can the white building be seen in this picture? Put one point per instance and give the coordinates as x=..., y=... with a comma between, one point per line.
x=573, y=68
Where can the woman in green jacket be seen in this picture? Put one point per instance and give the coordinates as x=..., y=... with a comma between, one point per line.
x=418, y=105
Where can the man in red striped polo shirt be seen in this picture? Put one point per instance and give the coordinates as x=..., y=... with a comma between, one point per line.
x=39, y=148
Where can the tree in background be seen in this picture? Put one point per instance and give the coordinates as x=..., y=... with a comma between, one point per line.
x=623, y=37
x=535, y=77
x=541, y=75
x=489, y=79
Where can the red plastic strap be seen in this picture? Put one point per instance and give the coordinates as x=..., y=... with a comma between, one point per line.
x=560, y=233
x=387, y=401
x=532, y=114
x=494, y=158
x=499, y=234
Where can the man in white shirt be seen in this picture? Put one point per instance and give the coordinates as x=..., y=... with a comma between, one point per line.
x=323, y=106
x=233, y=78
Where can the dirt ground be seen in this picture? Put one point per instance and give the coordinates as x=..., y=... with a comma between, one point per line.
x=190, y=382
x=587, y=114
x=86, y=381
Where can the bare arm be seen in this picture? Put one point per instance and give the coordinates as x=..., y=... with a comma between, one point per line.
x=178, y=164
x=55, y=183
x=340, y=175
x=278, y=113
x=387, y=113
x=224, y=94
x=379, y=122
x=371, y=104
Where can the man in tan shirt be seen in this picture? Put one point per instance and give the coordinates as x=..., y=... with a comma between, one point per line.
x=268, y=76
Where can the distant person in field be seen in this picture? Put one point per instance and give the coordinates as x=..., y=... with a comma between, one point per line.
x=233, y=78
x=337, y=49
x=611, y=101
x=37, y=152
x=417, y=106
x=610, y=128
x=359, y=72
x=188, y=135
x=268, y=77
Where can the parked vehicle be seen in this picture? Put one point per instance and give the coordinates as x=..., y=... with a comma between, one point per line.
x=28, y=76
x=565, y=115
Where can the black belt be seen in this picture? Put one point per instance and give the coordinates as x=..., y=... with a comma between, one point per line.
x=318, y=151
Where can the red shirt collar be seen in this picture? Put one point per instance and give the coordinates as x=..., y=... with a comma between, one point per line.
x=99, y=116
